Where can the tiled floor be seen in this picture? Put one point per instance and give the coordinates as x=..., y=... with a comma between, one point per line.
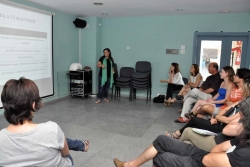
x=119, y=128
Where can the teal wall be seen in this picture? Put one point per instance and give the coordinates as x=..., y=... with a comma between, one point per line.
x=91, y=46
x=149, y=37
x=65, y=46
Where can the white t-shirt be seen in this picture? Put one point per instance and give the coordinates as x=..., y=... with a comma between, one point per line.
x=38, y=147
x=177, y=79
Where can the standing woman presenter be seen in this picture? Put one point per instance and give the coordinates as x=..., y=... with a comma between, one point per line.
x=105, y=77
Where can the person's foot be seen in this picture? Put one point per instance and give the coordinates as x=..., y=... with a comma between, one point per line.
x=98, y=101
x=106, y=100
x=86, y=145
x=181, y=120
x=173, y=135
x=118, y=163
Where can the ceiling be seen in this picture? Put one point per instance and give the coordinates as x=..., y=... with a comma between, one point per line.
x=133, y=8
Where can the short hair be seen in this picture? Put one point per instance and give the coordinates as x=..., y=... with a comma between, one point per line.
x=246, y=85
x=230, y=71
x=18, y=97
x=242, y=72
x=176, y=67
x=215, y=65
x=196, y=69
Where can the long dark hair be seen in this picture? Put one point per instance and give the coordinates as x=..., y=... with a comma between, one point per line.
x=196, y=70
x=176, y=67
x=110, y=55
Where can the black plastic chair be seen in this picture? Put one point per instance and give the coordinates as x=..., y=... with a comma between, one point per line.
x=124, y=81
x=141, y=79
x=114, y=76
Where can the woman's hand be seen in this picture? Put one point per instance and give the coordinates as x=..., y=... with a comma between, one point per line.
x=210, y=101
x=213, y=121
x=187, y=86
x=162, y=81
x=103, y=66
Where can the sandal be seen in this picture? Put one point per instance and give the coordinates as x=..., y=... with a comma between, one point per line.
x=168, y=102
x=173, y=135
x=86, y=145
x=179, y=97
x=190, y=115
x=180, y=110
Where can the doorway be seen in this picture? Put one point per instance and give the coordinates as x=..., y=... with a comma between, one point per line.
x=224, y=48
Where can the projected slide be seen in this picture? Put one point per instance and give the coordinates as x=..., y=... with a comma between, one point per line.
x=26, y=47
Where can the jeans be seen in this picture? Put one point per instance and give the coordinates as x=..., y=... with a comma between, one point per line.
x=103, y=90
x=76, y=145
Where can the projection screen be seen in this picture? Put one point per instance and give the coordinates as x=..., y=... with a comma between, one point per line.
x=26, y=46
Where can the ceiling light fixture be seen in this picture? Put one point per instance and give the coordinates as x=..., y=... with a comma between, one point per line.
x=104, y=14
x=225, y=11
x=179, y=10
x=98, y=3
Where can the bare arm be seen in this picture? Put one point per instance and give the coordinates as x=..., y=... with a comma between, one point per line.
x=227, y=120
x=196, y=84
x=65, y=150
x=218, y=157
x=231, y=128
x=228, y=92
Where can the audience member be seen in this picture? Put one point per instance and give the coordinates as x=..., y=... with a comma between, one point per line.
x=105, y=77
x=24, y=143
x=219, y=121
x=235, y=96
x=227, y=74
x=174, y=81
x=166, y=151
x=207, y=90
x=195, y=81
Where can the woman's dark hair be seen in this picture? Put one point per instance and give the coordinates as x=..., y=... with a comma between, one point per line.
x=196, y=70
x=110, y=55
x=230, y=72
x=244, y=136
x=242, y=72
x=176, y=67
x=18, y=97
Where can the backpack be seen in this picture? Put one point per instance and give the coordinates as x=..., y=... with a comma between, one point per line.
x=159, y=99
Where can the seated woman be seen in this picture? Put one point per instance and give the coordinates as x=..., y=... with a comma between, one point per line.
x=227, y=74
x=235, y=95
x=24, y=143
x=195, y=81
x=212, y=124
x=166, y=151
x=174, y=81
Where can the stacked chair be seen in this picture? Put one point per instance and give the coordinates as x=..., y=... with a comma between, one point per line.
x=141, y=79
x=115, y=76
x=124, y=81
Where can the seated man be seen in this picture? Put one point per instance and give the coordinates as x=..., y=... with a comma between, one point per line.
x=166, y=151
x=25, y=143
x=207, y=90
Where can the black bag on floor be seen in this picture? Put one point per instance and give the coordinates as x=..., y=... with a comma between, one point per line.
x=159, y=99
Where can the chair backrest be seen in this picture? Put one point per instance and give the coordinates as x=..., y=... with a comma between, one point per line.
x=115, y=70
x=143, y=66
x=185, y=80
x=127, y=72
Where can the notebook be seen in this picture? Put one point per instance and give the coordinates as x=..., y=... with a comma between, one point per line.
x=204, y=132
